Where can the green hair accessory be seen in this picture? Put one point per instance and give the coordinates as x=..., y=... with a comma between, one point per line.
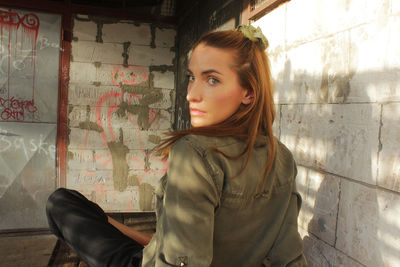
x=253, y=34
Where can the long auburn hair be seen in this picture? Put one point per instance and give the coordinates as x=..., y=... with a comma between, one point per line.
x=249, y=121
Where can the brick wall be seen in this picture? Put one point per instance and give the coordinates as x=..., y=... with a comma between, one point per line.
x=121, y=98
x=336, y=66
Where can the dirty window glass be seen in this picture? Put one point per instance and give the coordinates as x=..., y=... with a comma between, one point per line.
x=29, y=66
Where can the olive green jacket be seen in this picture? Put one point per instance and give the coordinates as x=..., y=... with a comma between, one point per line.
x=204, y=218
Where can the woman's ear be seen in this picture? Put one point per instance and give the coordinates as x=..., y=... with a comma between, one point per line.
x=247, y=97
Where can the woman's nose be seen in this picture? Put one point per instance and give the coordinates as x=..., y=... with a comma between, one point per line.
x=194, y=92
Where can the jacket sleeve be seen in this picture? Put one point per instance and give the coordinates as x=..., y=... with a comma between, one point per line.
x=190, y=199
x=288, y=247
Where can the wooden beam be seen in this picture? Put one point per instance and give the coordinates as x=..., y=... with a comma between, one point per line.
x=264, y=8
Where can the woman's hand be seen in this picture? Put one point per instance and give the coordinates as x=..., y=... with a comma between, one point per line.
x=139, y=237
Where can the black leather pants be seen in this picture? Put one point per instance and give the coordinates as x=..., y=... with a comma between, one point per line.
x=84, y=227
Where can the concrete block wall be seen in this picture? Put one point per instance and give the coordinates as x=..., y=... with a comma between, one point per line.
x=121, y=100
x=336, y=68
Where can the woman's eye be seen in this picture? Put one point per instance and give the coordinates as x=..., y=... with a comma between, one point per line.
x=190, y=77
x=212, y=81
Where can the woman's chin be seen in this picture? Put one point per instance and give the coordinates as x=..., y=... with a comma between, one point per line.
x=197, y=122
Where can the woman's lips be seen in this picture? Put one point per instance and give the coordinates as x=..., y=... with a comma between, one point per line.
x=196, y=112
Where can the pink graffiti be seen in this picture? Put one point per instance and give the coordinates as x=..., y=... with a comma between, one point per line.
x=131, y=75
x=14, y=109
x=121, y=76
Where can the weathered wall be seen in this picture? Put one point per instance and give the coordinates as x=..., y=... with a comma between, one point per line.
x=121, y=98
x=198, y=19
x=336, y=66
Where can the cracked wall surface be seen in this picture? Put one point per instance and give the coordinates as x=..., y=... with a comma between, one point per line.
x=120, y=102
x=336, y=70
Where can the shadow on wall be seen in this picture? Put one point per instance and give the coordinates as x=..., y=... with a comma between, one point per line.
x=351, y=202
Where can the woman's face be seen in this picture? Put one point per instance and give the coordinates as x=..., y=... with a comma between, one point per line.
x=213, y=92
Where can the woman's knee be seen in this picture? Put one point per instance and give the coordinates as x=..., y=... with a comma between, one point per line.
x=57, y=200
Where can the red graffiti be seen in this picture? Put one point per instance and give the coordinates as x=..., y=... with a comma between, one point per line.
x=14, y=109
x=12, y=21
x=19, y=30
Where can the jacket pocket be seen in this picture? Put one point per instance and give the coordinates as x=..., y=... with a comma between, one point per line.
x=235, y=201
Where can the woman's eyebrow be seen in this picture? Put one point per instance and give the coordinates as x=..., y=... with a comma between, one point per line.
x=206, y=71
x=210, y=71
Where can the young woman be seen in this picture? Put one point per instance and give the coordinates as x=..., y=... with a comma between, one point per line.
x=229, y=196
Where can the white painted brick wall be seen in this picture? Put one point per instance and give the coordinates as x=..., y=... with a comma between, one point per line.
x=389, y=156
x=86, y=180
x=388, y=229
x=127, y=32
x=340, y=139
x=99, y=160
x=275, y=35
x=368, y=224
x=82, y=73
x=147, y=56
x=395, y=7
x=316, y=81
x=165, y=37
x=83, y=51
x=320, y=254
x=98, y=84
x=320, y=18
x=91, y=160
x=320, y=194
x=375, y=61
x=159, y=119
x=276, y=126
x=84, y=139
x=104, y=74
x=85, y=30
x=136, y=139
x=81, y=94
x=336, y=67
x=165, y=80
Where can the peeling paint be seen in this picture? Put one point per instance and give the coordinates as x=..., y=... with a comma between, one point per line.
x=92, y=126
x=343, y=87
x=147, y=161
x=141, y=111
x=151, y=79
x=99, y=35
x=125, y=54
x=120, y=166
x=340, y=83
x=153, y=36
x=70, y=155
x=162, y=68
x=145, y=196
x=87, y=113
x=155, y=139
x=324, y=88
x=133, y=180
